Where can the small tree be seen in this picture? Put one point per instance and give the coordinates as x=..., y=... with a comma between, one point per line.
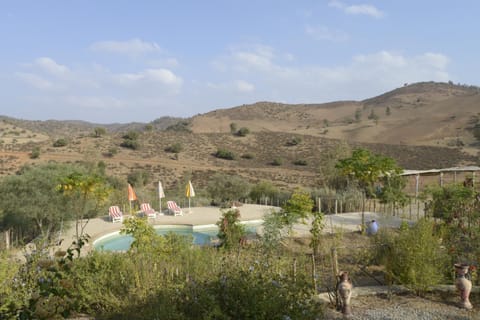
x=242, y=132
x=224, y=189
x=60, y=143
x=84, y=192
x=99, y=131
x=233, y=127
x=35, y=154
x=174, y=148
x=225, y=154
x=366, y=168
x=230, y=231
x=358, y=115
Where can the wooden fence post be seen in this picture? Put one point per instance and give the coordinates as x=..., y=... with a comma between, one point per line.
x=314, y=274
x=294, y=269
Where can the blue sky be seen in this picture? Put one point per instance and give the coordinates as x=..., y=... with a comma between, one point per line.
x=111, y=61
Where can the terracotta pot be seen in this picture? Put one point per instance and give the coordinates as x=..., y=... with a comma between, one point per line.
x=344, y=290
x=463, y=285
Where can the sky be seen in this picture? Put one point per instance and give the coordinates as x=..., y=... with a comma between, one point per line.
x=109, y=61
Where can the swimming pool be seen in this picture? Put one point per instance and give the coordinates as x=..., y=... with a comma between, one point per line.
x=202, y=235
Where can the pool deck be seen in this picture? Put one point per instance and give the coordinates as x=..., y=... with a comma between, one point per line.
x=345, y=222
x=194, y=216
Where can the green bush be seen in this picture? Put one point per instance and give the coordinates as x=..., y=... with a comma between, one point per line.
x=242, y=132
x=300, y=162
x=230, y=231
x=225, y=154
x=276, y=162
x=294, y=141
x=60, y=143
x=174, y=148
x=35, y=154
x=415, y=257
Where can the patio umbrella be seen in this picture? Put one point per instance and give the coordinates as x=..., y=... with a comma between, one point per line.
x=161, y=194
x=131, y=196
x=189, y=192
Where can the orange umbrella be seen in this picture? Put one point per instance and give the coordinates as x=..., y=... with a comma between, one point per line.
x=131, y=196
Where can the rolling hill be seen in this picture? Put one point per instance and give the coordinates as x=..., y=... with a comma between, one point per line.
x=422, y=126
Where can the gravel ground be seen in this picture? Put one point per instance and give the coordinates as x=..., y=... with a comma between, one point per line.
x=407, y=307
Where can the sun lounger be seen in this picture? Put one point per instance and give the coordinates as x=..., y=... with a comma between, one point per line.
x=148, y=210
x=115, y=214
x=174, y=209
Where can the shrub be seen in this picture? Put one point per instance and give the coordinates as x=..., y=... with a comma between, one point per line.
x=131, y=135
x=415, y=257
x=300, y=162
x=225, y=154
x=180, y=126
x=60, y=143
x=35, y=153
x=99, y=131
x=242, y=132
x=174, y=148
x=130, y=144
x=276, y=162
x=247, y=156
x=230, y=231
x=294, y=141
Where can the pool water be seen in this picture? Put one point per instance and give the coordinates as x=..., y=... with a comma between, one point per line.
x=202, y=235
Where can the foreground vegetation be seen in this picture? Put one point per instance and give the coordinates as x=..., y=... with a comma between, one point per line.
x=165, y=277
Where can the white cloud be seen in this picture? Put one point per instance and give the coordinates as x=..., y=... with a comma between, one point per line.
x=132, y=47
x=150, y=78
x=363, y=76
x=164, y=76
x=51, y=67
x=244, y=86
x=34, y=80
x=365, y=9
x=325, y=33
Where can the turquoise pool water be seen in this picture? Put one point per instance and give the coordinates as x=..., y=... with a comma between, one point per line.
x=202, y=235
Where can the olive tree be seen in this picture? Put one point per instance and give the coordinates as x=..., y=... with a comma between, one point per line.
x=224, y=188
x=30, y=204
x=365, y=168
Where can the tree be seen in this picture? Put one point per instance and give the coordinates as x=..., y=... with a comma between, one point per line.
x=243, y=131
x=99, y=131
x=130, y=140
x=388, y=111
x=233, y=127
x=224, y=189
x=60, y=143
x=230, y=231
x=84, y=192
x=262, y=191
x=35, y=154
x=366, y=168
x=299, y=206
x=30, y=204
x=358, y=115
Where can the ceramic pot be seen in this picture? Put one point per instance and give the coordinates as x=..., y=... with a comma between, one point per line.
x=463, y=285
x=372, y=228
x=344, y=290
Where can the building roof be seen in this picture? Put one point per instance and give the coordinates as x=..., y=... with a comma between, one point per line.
x=453, y=169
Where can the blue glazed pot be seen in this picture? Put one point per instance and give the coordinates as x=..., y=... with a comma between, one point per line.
x=372, y=228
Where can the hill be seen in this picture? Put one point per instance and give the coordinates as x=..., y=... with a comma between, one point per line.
x=427, y=125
